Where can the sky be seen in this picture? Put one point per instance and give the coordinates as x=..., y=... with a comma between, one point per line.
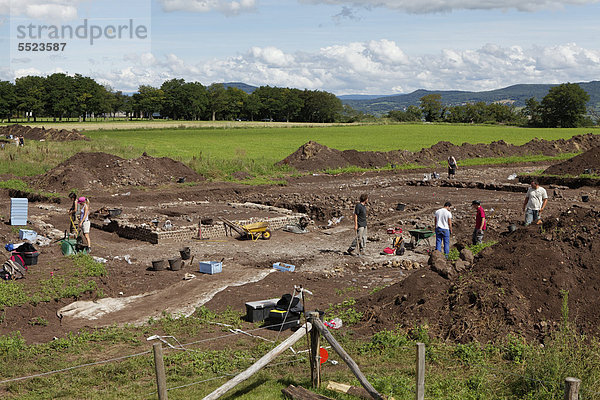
x=345, y=47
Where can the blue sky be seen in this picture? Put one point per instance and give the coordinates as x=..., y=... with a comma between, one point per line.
x=345, y=47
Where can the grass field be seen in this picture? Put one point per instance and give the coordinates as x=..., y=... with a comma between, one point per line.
x=218, y=152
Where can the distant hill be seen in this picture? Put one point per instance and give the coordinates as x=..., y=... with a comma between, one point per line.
x=242, y=86
x=516, y=94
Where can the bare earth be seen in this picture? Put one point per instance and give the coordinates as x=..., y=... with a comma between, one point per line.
x=133, y=293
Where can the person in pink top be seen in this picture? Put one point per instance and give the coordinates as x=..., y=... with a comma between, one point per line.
x=480, y=222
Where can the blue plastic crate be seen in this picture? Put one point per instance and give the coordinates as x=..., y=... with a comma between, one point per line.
x=26, y=234
x=284, y=267
x=211, y=267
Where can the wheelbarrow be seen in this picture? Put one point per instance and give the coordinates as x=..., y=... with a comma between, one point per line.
x=419, y=235
x=252, y=231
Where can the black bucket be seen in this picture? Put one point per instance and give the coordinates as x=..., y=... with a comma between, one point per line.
x=115, y=212
x=175, y=264
x=185, y=253
x=585, y=198
x=400, y=207
x=159, y=265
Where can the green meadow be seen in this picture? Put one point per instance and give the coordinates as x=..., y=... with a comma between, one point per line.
x=218, y=152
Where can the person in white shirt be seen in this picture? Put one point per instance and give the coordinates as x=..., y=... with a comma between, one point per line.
x=535, y=202
x=443, y=228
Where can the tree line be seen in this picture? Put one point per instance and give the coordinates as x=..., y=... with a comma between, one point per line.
x=60, y=96
x=563, y=107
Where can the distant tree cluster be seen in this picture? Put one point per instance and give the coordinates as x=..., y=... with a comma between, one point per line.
x=432, y=109
x=61, y=96
x=564, y=106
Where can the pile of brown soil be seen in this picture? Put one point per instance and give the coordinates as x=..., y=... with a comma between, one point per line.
x=93, y=170
x=516, y=286
x=590, y=160
x=34, y=133
x=313, y=156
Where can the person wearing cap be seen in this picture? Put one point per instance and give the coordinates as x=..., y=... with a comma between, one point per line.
x=535, y=202
x=84, y=221
x=443, y=228
x=480, y=222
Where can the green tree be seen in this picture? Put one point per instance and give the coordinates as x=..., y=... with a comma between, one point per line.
x=532, y=112
x=8, y=100
x=174, y=105
x=431, y=106
x=320, y=106
x=148, y=101
x=564, y=106
x=196, y=100
x=217, y=100
x=235, y=99
x=89, y=96
x=59, y=96
x=30, y=95
x=411, y=114
x=252, y=106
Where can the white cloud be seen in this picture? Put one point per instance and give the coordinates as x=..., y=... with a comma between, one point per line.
x=203, y=6
x=373, y=67
x=49, y=10
x=431, y=6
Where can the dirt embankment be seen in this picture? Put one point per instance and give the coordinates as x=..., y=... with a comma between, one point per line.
x=313, y=156
x=586, y=163
x=35, y=133
x=102, y=170
x=516, y=286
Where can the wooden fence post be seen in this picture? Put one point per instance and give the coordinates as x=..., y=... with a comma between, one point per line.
x=347, y=359
x=315, y=346
x=159, y=366
x=263, y=361
x=572, y=388
x=420, y=371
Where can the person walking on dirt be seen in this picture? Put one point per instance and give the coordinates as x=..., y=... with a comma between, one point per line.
x=480, y=222
x=84, y=222
x=452, y=165
x=443, y=228
x=360, y=225
x=535, y=202
x=72, y=212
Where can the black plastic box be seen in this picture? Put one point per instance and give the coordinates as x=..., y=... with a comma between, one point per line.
x=257, y=311
x=30, y=257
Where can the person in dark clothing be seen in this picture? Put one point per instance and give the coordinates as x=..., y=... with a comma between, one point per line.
x=360, y=225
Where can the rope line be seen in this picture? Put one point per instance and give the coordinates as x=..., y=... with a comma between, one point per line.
x=125, y=357
x=74, y=367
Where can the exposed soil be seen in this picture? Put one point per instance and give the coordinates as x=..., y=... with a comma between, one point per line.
x=313, y=156
x=515, y=286
x=37, y=133
x=586, y=163
x=100, y=170
x=502, y=292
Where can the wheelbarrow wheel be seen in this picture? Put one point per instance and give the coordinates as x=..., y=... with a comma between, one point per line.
x=266, y=235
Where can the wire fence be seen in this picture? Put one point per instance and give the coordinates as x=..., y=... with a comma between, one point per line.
x=438, y=352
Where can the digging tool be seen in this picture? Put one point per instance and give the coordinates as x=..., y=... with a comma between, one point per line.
x=74, y=227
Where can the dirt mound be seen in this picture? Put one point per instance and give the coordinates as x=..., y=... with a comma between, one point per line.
x=588, y=162
x=516, y=286
x=93, y=170
x=34, y=133
x=313, y=156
